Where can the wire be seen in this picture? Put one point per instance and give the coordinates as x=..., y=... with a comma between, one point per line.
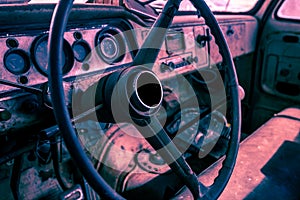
x=29, y=89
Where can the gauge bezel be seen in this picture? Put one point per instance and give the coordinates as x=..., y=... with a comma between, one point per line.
x=116, y=36
x=23, y=55
x=67, y=49
x=86, y=47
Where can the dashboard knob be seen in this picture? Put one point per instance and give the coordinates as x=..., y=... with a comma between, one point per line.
x=164, y=67
x=196, y=59
x=5, y=115
x=167, y=67
x=171, y=65
x=189, y=59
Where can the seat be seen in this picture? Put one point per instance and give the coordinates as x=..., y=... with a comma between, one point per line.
x=268, y=162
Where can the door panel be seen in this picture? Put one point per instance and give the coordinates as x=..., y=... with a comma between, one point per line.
x=281, y=67
x=276, y=81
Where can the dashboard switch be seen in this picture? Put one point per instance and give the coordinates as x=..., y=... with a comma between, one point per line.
x=5, y=115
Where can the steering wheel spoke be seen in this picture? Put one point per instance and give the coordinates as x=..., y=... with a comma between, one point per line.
x=157, y=137
x=148, y=52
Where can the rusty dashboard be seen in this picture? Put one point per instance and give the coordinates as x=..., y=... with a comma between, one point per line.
x=100, y=46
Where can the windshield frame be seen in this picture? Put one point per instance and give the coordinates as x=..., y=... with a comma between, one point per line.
x=252, y=11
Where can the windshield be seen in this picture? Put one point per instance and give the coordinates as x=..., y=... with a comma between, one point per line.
x=215, y=5
x=35, y=1
x=231, y=5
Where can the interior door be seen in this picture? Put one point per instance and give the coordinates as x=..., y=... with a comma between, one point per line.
x=277, y=76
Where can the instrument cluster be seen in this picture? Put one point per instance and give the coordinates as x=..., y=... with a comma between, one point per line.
x=90, y=51
x=85, y=50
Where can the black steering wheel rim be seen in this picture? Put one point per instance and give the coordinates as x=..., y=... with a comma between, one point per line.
x=57, y=28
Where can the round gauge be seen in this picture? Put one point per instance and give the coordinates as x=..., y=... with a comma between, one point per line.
x=40, y=55
x=16, y=61
x=110, y=46
x=81, y=50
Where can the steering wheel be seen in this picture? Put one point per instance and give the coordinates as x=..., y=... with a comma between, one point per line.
x=142, y=110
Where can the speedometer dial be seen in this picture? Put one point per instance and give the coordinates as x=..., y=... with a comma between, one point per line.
x=110, y=45
x=39, y=53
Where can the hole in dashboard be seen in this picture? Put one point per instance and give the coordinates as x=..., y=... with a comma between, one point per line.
x=85, y=67
x=12, y=43
x=77, y=35
x=23, y=80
